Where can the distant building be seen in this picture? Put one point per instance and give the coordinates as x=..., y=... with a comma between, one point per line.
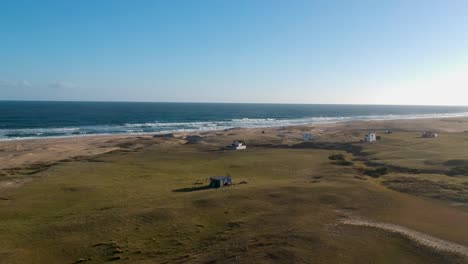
x=430, y=134
x=220, y=181
x=237, y=145
x=307, y=136
x=370, y=137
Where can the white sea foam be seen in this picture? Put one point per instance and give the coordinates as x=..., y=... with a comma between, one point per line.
x=169, y=127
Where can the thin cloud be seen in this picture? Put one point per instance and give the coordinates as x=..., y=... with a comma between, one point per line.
x=63, y=85
x=8, y=84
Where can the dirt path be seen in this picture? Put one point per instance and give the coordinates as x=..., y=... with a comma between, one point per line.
x=421, y=238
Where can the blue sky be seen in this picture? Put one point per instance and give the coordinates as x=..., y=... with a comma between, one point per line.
x=359, y=52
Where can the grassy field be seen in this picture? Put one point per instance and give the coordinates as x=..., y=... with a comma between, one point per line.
x=436, y=168
x=410, y=150
x=151, y=206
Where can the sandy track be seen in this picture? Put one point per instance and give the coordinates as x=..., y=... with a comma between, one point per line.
x=418, y=237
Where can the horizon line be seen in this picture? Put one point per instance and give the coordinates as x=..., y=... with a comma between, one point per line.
x=189, y=102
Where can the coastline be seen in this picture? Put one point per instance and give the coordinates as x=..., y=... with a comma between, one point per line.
x=22, y=152
x=70, y=186
x=33, y=130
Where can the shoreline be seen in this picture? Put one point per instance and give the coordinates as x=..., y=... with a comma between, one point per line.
x=198, y=131
x=21, y=152
x=276, y=123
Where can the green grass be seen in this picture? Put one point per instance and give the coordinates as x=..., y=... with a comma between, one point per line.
x=126, y=205
x=410, y=150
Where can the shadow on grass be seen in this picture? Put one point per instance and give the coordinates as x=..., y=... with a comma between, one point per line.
x=193, y=189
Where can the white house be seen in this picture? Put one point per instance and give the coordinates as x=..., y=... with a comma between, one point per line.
x=370, y=137
x=430, y=134
x=237, y=145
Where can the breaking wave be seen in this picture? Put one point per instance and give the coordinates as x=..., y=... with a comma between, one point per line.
x=170, y=127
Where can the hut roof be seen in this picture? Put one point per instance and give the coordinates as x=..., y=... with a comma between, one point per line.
x=219, y=178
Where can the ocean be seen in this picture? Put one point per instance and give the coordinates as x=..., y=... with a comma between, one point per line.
x=29, y=119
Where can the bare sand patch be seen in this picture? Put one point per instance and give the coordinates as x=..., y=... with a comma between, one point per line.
x=17, y=153
x=418, y=237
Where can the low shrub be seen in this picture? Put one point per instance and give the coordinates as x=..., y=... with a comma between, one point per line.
x=337, y=157
x=377, y=172
x=458, y=171
x=344, y=163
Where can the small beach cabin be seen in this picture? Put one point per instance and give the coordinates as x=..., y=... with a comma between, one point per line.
x=430, y=134
x=220, y=181
x=237, y=145
x=307, y=136
x=370, y=137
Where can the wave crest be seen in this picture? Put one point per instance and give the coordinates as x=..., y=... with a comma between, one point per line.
x=170, y=127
